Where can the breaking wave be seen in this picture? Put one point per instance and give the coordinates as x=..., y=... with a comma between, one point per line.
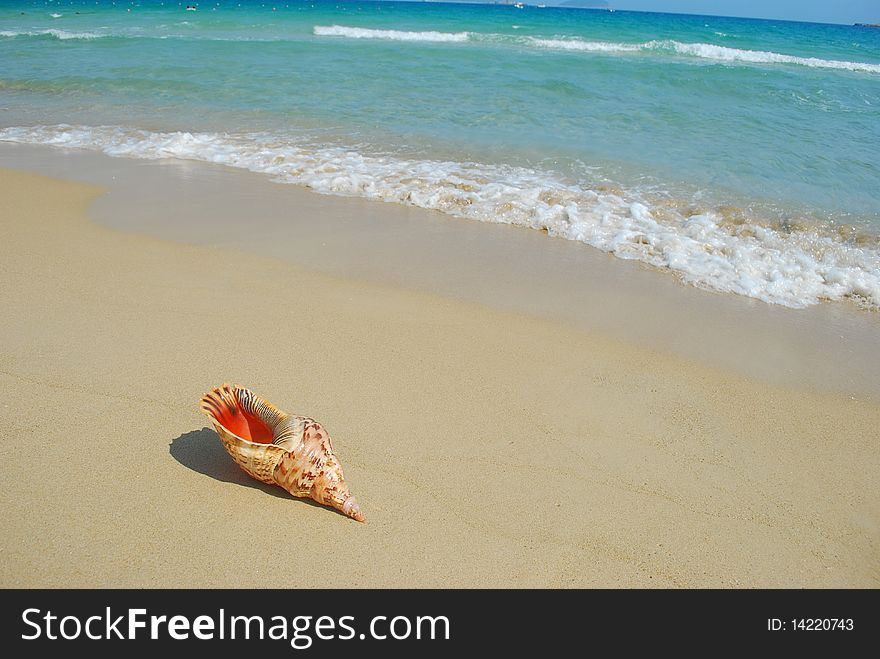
x=57, y=34
x=392, y=35
x=704, y=51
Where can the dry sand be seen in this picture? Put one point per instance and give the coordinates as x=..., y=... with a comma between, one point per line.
x=486, y=448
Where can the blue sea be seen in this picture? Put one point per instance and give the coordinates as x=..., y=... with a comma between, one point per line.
x=742, y=155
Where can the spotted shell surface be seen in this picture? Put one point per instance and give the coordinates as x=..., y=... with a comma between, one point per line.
x=294, y=452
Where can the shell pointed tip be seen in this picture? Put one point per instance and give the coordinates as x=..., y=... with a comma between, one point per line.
x=356, y=514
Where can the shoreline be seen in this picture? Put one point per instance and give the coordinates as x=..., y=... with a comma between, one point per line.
x=827, y=347
x=747, y=247
x=488, y=447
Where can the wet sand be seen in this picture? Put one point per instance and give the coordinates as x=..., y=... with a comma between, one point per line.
x=829, y=347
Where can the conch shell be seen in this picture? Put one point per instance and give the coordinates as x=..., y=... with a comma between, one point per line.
x=278, y=448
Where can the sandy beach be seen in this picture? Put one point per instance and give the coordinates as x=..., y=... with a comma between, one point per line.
x=487, y=448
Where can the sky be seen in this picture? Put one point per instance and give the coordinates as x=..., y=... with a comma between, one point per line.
x=819, y=11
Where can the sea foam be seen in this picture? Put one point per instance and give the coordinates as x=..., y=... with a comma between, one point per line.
x=581, y=45
x=795, y=268
x=726, y=54
x=701, y=50
x=392, y=35
x=58, y=34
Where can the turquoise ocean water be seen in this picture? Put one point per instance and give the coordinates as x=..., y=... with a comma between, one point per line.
x=743, y=155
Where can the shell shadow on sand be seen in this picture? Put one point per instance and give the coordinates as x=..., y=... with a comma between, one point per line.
x=201, y=451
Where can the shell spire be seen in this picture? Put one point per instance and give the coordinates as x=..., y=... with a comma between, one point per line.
x=282, y=449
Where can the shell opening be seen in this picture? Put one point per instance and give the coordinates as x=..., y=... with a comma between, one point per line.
x=226, y=411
